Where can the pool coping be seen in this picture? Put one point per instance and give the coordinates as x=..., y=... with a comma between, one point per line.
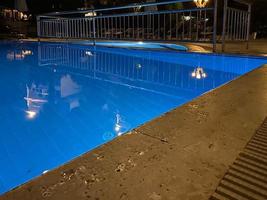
x=180, y=155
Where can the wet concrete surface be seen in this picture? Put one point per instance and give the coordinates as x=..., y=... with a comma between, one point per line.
x=181, y=155
x=256, y=47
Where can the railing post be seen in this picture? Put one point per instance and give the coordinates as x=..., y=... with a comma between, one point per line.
x=248, y=27
x=38, y=28
x=215, y=25
x=225, y=14
x=67, y=28
x=94, y=32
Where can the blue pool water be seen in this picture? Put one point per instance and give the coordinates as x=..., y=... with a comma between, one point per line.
x=59, y=101
x=137, y=45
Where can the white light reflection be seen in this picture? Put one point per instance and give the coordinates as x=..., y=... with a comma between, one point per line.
x=117, y=127
x=35, y=98
x=199, y=73
x=31, y=114
x=89, y=53
x=139, y=66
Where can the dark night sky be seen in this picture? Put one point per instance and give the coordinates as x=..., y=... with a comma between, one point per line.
x=259, y=18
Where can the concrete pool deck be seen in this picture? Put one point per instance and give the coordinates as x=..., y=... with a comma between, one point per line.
x=181, y=155
x=256, y=47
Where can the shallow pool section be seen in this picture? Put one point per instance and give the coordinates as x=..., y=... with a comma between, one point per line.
x=61, y=100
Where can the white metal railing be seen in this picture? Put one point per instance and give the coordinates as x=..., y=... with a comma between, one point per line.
x=119, y=23
x=194, y=24
x=236, y=22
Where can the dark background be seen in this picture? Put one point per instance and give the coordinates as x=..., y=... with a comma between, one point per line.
x=259, y=9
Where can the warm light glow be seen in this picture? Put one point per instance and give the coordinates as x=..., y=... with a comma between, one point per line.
x=201, y=3
x=31, y=114
x=26, y=52
x=199, y=73
x=18, y=55
x=138, y=8
x=90, y=14
x=187, y=18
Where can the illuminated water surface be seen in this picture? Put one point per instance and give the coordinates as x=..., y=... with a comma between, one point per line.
x=59, y=101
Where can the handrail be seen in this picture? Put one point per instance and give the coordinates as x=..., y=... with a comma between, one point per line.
x=116, y=8
x=135, y=14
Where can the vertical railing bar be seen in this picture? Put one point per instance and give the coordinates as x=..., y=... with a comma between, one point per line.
x=100, y=27
x=82, y=28
x=129, y=27
x=138, y=30
x=190, y=26
x=177, y=25
x=159, y=28
x=228, y=24
x=215, y=25
x=153, y=26
x=183, y=20
x=198, y=13
x=112, y=30
x=239, y=27
x=244, y=26
x=116, y=27
x=124, y=27
x=133, y=28
x=150, y=27
x=235, y=25
x=232, y=24
x=164, y=26
x=170, y=26
x=120, y=30
x=248, y=24
x=143, y=26
x=224, y=24
x=108, y=31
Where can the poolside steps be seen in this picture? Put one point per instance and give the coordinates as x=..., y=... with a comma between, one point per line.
x=246, y=178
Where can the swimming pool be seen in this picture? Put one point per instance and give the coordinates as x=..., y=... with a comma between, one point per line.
x=61, y=100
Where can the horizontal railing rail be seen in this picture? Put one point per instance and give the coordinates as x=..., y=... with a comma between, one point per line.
x=135, y=5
